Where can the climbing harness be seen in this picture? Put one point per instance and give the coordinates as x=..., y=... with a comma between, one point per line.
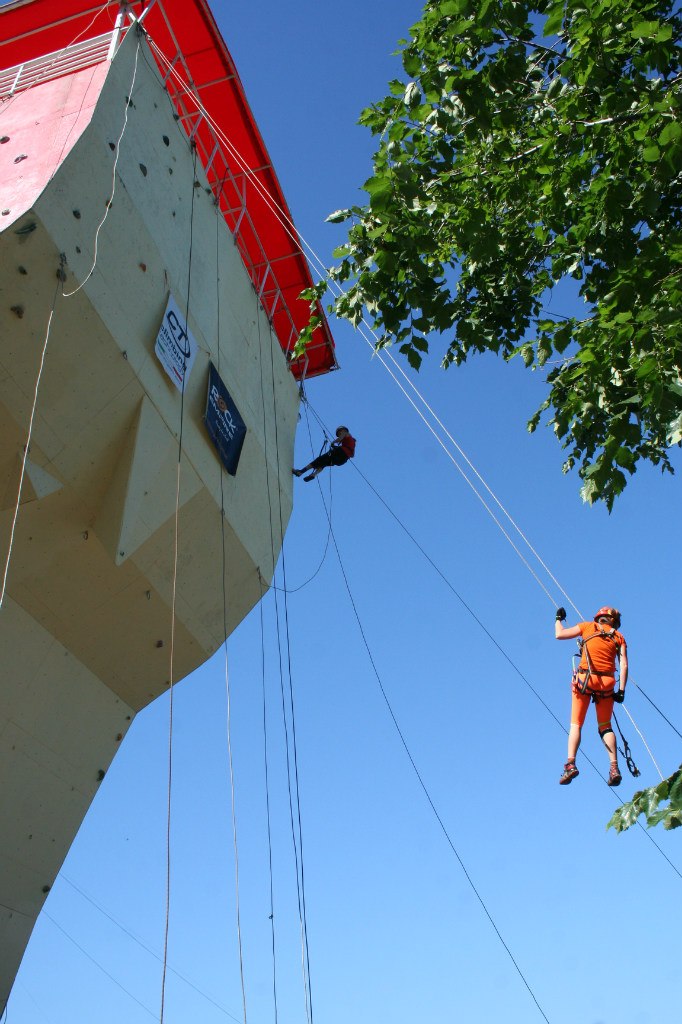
x=582, y=685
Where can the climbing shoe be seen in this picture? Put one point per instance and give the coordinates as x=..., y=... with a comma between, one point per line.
x=309, y=477
x=615, y=778
x=569, y=773
x=298, y=472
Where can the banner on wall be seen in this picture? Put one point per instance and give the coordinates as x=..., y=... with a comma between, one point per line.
x=176, y=347
x=225, y=426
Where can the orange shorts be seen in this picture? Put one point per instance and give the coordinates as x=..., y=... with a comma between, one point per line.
x=603, y=705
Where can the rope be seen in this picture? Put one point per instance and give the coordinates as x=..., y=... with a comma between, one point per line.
x=674, y=729
x=304, y=920
x=267, y=814
x=294, y=590
x=424, y=787
x=481, y=479
x=171, y=681
x=68, y=295
x=305, y=953
x=227, y=674
x=288, y=746
x=231, y=767
x=464, y=476
x=643, y=741
x=170, y=749
x=29, y=435
x=147, y=949
x=97, y=964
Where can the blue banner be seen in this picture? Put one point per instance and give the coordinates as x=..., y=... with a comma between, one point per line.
x=225, y=426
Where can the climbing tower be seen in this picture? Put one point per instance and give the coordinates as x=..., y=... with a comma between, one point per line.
x=145, y=248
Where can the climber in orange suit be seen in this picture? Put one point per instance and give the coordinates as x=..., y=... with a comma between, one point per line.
x=602, y=645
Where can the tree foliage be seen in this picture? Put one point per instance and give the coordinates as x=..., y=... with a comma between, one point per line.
x=647, y=802
x=535, y=142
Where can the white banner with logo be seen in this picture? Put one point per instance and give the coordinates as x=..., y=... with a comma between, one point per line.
x=176, y=347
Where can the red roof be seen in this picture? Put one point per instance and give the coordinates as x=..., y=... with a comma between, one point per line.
x=229, y=144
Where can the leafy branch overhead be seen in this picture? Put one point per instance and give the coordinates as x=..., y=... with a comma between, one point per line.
x=647, y=802
x=531, y=144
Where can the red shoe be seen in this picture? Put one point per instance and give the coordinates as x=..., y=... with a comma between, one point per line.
x=569, y=773
x=615, y=778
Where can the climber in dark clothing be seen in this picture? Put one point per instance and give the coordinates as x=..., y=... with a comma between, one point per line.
x=341, y=450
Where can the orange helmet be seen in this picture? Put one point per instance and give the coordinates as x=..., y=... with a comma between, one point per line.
x=611, y=613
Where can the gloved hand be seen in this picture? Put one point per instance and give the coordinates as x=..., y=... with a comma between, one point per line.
x=619, y=696
x=560, y=614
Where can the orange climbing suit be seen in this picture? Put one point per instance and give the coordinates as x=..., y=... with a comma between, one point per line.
x=603, y=647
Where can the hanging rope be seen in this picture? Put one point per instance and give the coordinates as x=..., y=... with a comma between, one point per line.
x=424, y=787
x=29, y=434
x=171, y=681
x=85, y=953
x=304, y=915
x=656, y=708
x=147, y=949
x=267, y=813
x=225, y=632
x=643, y=741
x=129, y=100
x=293, y=590
x=288, y=743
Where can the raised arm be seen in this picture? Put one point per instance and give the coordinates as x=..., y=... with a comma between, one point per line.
x=562, y=632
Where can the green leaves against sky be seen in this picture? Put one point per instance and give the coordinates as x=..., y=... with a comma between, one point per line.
x=531, y=144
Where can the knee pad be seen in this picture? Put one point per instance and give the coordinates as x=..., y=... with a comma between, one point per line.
x=604, y=730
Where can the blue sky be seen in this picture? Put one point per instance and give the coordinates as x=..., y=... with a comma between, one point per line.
x=395, y=931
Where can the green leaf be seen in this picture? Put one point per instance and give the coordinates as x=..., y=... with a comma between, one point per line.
x=671, y=133
x=647, y=802
x=380, y=191
x=645, y=30
x=555, y=20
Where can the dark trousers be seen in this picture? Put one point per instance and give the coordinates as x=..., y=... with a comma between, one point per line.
x=334, y=457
